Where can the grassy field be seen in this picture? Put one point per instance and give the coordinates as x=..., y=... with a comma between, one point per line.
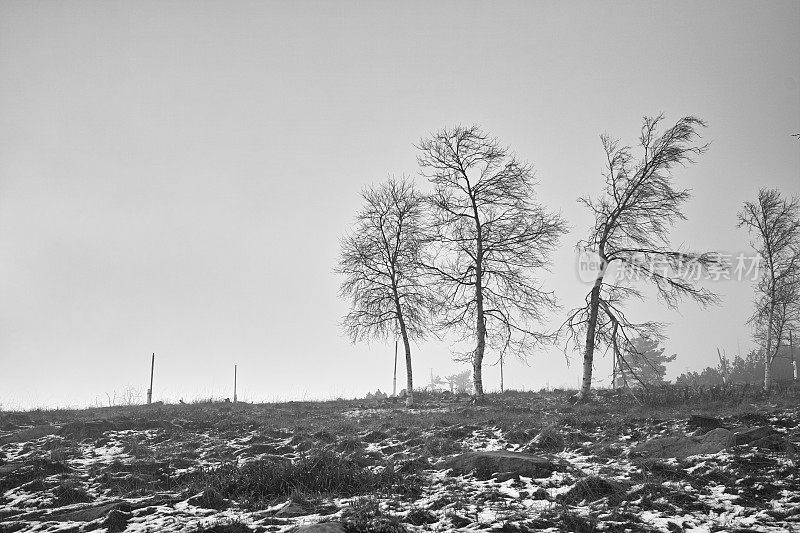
x=675, y=460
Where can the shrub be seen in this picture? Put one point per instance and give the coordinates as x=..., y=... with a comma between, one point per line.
x=365, y=516
x=37, y=469
x=318, y=472
x=418, y=517
x=135, y=448
x=209, y=499
x=590, y=489
x=549, y=439
x=70, y=491
x=225, y=526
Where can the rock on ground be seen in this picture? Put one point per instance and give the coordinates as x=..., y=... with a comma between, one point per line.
x=764, y=437
x=293, y=509
x=322, y=527
x=86, y=430
x=486, y=463
x=29, y=434
x=682, y=446
x=90, y=512
x=704, y=423
x=750, y=435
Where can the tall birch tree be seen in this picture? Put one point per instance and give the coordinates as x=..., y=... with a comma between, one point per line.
x=633, y=215
x=774, y=224
x=489, y=237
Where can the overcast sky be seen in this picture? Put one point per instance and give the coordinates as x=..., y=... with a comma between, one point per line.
x=175, y=176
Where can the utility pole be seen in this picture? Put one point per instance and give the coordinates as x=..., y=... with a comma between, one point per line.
x=150, y=390
x=394, y=380
x=234, y=383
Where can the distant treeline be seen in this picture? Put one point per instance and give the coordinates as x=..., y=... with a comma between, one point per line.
x=747, y=369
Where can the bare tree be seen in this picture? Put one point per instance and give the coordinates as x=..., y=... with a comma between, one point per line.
x=380, y=263
x=490, y=236
x=774, y=223
x=633, y=215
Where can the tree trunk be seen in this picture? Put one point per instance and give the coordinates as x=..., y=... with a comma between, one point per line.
x=480, y=326
x=407, y=347
x=767, y=375
x=477, y=359
x=394, y=375
x=409, y=376
x=591, y=328
x=768, y=348
x=404, y=334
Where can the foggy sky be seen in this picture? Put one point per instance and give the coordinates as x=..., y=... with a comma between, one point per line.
x=175, y=176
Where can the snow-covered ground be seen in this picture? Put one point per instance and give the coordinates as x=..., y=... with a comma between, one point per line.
x=138, y=469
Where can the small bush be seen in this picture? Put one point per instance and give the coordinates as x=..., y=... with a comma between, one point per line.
x=319, y=472
x=135, y=448
x=60, y=454
x=564, y=519
x=349, y=444
x=70, y=491
x=138, y=478
x=37, y=469
x=440, y=446
x=365, y=516
x=210, y=498
x=419, y=517
x=458, y=520
x=549, y=439
x=225, y=526
x=592, y=488
x=116, y=521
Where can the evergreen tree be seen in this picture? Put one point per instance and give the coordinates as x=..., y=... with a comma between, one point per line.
x=643, y=364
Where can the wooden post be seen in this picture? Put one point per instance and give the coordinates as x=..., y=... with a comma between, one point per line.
x=723, y=366
x=791, y=354
x=234, y=383
x=150, y=390
x=501, y=374
x=614, y=372
x=394, y=380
